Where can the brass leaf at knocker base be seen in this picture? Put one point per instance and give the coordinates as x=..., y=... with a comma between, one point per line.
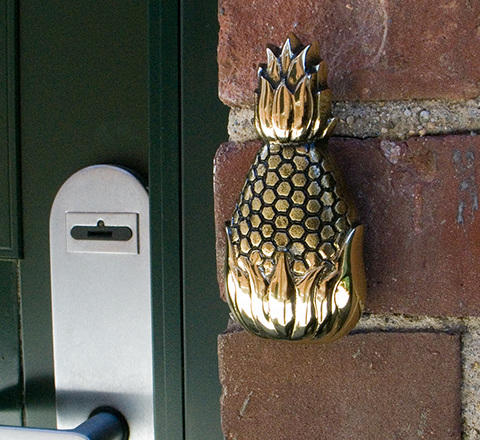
x=294, y=268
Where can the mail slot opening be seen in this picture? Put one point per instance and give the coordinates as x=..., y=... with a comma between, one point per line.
x=101, y=232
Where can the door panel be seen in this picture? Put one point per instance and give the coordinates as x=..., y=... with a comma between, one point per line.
x=84, y=100
x=10, y=367
x=95, y=90
x=9, y=179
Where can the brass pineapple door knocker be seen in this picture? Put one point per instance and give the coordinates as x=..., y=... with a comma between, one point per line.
x=294, y=266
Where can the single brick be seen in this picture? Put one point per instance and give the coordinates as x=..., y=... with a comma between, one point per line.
x=396, y=49
x=372, y=386
x=419, y=202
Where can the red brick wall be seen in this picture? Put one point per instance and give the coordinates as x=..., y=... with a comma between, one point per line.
x=400, y=70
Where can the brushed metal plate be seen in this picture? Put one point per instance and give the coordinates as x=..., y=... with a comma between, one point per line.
x=101, y=304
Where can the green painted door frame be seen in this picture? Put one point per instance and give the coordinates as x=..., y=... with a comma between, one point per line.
x=183, y=39
x=135, y=84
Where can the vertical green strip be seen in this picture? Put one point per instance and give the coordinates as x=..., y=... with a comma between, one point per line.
x=11, y=379
x=9, y=169
x=165, y=214
x=204, y=127
x=11, y=395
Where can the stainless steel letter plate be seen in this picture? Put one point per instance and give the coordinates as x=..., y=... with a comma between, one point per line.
x=100, y=264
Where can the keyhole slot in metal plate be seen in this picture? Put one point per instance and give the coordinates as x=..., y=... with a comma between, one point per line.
x=101, y=232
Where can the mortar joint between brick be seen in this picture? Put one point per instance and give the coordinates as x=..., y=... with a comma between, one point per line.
x=382, y=322
x=398, y=120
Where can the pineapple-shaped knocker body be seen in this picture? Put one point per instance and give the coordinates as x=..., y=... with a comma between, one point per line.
x=294, y=266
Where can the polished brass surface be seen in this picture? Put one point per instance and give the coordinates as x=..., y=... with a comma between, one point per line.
x=294, y=266
x=293, y=100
